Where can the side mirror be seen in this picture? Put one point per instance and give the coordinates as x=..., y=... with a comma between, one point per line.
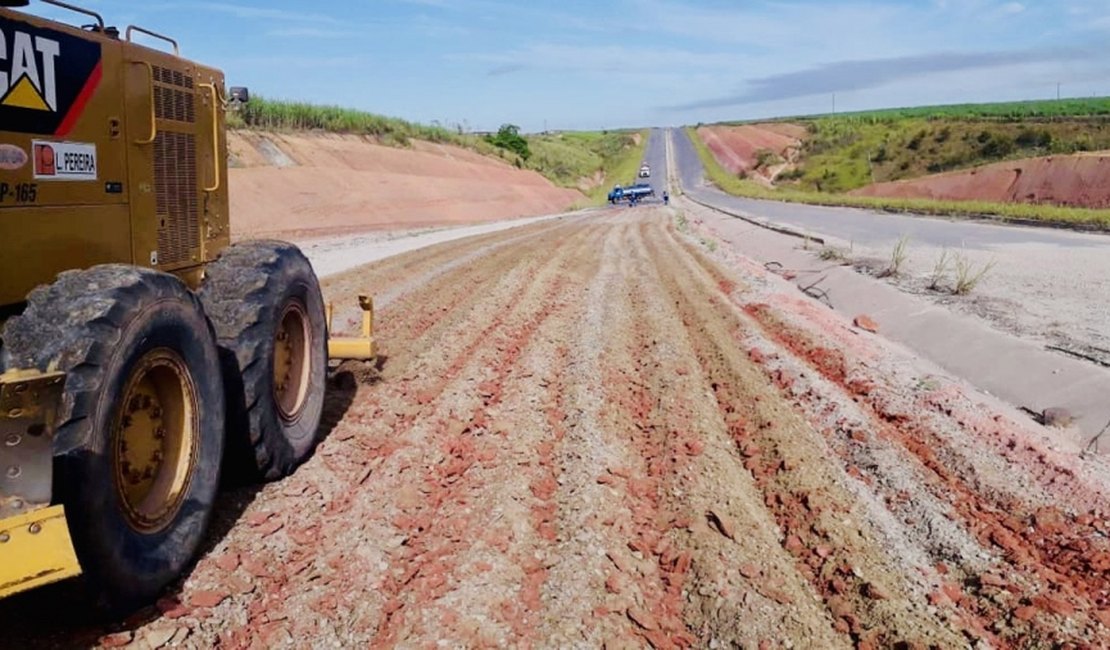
x=14, y=3
x=240, y=94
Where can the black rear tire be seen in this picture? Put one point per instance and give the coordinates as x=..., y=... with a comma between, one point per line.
x=250, y=292
x=108, y=327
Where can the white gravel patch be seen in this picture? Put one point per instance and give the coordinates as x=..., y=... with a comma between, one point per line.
x=333, y=255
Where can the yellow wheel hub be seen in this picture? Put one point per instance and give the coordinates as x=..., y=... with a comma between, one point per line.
x=155, y=440
x=291, y=361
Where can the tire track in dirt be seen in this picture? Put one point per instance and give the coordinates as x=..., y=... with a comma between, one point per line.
x=427, y=387
x=394, y=273
x=378, y=427
x=574, y=581
x=402, y=277
x=1067, y=566
x=420, y=317
x=744, y=589
x=451, y=478
x=867, y=595
x=391, y=442
x=642, y=576
x=1012, y=599
x=589, y=433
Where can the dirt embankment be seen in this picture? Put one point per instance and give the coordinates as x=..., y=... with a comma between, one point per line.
x=297, y=185
x=760, y=151
x=591, y=434
x=1081, y=180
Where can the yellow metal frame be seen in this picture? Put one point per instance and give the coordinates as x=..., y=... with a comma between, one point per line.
x=215, y=136
x=153, y=116
x=35, y=550
x=361, y=348
x=131, y=29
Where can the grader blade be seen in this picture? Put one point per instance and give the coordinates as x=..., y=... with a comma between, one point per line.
x=35, y=547
x=360, y=348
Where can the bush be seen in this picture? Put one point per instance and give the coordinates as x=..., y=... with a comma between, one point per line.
x=792, y=174
x=1034, y=138
x=508, y=137
x=997, y=146
x=766, y=158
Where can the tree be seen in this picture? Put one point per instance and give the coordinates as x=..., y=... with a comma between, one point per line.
x=508, y=137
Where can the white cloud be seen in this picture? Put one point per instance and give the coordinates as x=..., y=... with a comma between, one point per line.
x=609, y=59
x=312, y=32
x=247, y=12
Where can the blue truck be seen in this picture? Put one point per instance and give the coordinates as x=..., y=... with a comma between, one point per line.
x=632, y=193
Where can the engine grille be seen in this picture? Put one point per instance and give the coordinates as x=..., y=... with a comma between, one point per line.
x=174, y=98
x=175, y=182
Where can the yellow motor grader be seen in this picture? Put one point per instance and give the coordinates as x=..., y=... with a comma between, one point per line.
x=142, y=354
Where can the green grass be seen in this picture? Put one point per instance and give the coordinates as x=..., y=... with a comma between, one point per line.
x=565, y=159
x=573, y=159
x=1017, y=111
x=721, y=177
x=845, y=153
x=277, y=115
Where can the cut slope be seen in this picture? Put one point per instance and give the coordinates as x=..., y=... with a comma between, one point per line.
x=1081, y=180
x=297, y=185
x=760, y=151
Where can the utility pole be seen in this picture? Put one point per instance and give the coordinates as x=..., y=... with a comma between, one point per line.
x=1057, y=91
x=834, y=104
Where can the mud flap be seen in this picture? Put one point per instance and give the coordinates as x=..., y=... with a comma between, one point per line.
x=35, y=548
x=28, y=403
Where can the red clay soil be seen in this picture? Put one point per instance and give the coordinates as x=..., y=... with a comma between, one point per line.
x=296, y=185
x=1081, y=181
x=600, y=433
x=736, y=148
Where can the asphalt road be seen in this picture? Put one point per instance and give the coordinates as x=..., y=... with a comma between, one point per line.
x=655, y=154
x=864, y=226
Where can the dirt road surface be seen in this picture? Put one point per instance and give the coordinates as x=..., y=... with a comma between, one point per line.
x=595, y=431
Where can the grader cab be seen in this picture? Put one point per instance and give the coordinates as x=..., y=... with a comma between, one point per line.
x=141, y=352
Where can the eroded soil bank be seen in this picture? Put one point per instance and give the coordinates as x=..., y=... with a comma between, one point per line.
x=298, y=185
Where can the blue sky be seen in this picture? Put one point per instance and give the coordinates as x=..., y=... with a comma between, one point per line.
x=581, y=64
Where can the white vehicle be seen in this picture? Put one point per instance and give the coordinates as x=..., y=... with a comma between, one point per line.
x=645, y=171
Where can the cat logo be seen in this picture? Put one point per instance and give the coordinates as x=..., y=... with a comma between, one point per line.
x=47, y=78
x=28, y=86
